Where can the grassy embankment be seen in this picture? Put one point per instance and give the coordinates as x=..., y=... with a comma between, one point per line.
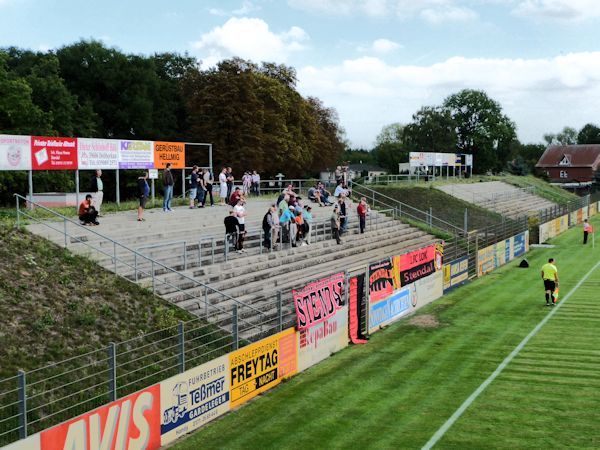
x=397, y=390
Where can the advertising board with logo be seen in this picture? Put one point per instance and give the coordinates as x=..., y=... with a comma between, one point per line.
x=53, y=153
x=486, y=260
x=456, y=273
x=426, y=290
x=593, y=209
x=389, y=309
x=322, y=319
x=98, y=153
x=555, y=227
x=15, y=152
x=420, y=263
x=193, y=398
x=261, y=366
x=136, y=154
x=500, y=253
x=520, y=244
x=169, y=152
x=381, y=284
x=132, y=422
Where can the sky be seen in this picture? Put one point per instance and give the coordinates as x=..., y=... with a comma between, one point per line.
x=375, y=61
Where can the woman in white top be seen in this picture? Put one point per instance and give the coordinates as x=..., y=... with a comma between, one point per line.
x=223, y=186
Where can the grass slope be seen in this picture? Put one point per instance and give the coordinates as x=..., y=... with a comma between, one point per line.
x=451, y=209
x=399, y=389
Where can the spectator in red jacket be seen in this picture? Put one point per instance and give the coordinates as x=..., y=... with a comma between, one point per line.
x=362, y=210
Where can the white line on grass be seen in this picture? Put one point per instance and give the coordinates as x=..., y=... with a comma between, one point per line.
x=462, y=408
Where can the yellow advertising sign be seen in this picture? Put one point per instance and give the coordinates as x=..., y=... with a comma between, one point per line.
x=169, y=152
x=258, y=367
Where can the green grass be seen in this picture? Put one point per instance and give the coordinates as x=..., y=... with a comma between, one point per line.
x=399, y=389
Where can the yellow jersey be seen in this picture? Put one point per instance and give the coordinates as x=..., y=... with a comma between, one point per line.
x=549, y=271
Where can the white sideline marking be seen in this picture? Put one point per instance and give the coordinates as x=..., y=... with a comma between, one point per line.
x=462, y=408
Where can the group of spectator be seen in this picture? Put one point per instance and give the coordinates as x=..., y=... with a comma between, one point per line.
x=250, y=184
x=201, y=187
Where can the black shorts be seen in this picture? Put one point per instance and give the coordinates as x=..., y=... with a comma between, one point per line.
x=143, y=201
x=549, y=285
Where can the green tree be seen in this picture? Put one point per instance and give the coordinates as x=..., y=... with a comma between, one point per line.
x=389, y=148
x=432, y=130
x=568, y=136
x=482, y=129
x=589, y=134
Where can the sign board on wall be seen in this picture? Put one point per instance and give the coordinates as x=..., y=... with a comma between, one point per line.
x=132, y=422
x=390, y=309
x=426, y=290
x=554, y=227
x=420, y=263
x=501, y=253
x=260, y=366
x=98, y=153
x=15, y=152
x=456, y=273
x=169, y=152
x=51, y=153
x=381, y=283
x=193, y=398
x=485, y=260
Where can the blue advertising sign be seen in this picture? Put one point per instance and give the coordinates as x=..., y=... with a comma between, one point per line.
x=389, y=309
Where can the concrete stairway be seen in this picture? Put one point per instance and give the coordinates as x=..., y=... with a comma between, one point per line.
x=500, y=197
x=253, y=279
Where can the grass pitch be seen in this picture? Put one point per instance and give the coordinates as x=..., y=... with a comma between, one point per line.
x=398, y=390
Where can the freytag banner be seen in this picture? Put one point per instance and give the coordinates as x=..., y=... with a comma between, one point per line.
x=389, y=309
x=132, y=422
x=193, y=398
x=319, y=300
x=260, y=366
x=381, y=284
x=169, y=152
x=98, y=153
x=136, y=154
x=53, y=153
x=456, y=273
x=15, y=152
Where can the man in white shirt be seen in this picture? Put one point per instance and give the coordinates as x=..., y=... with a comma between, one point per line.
x=98, y=190
x=239, y=211
x=255, y=183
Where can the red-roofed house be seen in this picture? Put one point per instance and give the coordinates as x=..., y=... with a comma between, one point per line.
x=572, y=164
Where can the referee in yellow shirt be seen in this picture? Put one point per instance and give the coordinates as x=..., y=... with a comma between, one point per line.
x=550, y=277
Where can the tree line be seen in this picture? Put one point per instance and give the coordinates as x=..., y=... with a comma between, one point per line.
x=251, y=113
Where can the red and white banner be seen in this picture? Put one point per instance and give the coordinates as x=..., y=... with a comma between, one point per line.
x=418, y=264
x=319, y=300
x=53, y=153
x=132, y=422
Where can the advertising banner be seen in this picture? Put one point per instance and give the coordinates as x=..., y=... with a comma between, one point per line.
x=469, y=160
x=320, y=341
x=260, y=366
x=418, y=264
x=519, y=245
x=416, y=159
x=486, y=260
x=390, y=309
x=500, y=253
x=193, y=398
x=440, y=159
x=456, y=273
x=593, y=210
x=98, y=153
x=426, y=290
x=381, y=283
x=319, y=300
x=15, y=152
x=169, y=152
x=53, y=153
x=136, y=154
x=132, y=422
x=29, y=443
x=355, y=300
x=555, y=227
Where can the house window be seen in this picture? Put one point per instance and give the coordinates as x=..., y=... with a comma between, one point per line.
x=564, y=174
x=565, y=161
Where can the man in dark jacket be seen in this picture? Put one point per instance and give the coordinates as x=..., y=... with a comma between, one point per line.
x=168, y=183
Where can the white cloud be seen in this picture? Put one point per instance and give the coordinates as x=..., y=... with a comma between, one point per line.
x=246, y=8
x=562, y=10
x=379, y=46
x=540, y=95
x=372, y=8
x=448, y=14
x=251, y=39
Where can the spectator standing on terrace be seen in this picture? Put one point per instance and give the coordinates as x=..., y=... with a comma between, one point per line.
x=193, y=186
x=97, y=187
x=587, y=229
x=335, y=224
x=168, y=183
x=308, y=218
x=232, y=226
x=362, y=210
x=286, y=220
x=87, y=212
x=223, y=187
x=208, y=185
x=230, y=181
x=299, y=220
x=341, y=204
x=240, y=212
x=255, y=183
x=550, y=277
x=268, y=225
x=246, y=183
x=283, y=204
x=142, y=190
x=201, y=194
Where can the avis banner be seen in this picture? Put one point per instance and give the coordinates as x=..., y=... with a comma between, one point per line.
x=319, y=301
x=194, y=398
x=132, y=422
x=258, y=367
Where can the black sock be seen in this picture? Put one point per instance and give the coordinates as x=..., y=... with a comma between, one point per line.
x=547, y=298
